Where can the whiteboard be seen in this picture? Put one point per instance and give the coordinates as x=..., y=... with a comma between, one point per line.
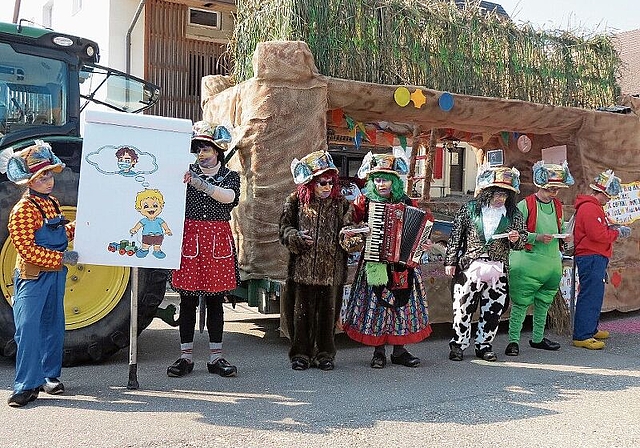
x=131, y=195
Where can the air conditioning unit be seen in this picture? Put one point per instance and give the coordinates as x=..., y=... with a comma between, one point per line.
x=205, y=24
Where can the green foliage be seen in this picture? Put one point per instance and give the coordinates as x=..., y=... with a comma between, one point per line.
x=436, y=45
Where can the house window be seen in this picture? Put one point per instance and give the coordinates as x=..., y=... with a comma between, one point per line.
x=76, y=6
x=202, y=17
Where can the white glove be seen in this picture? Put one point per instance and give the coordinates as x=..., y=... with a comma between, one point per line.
x=196, y=182
x=624, y=231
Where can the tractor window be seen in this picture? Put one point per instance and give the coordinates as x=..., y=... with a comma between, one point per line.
x=115, y=89
x=33, y=91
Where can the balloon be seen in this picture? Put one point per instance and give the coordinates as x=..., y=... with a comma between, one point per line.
x=445, y=101
x=402, y=96
x=524, y=143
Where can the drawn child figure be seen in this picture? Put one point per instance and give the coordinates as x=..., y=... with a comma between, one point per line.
x=150, y=203
x=127, y=159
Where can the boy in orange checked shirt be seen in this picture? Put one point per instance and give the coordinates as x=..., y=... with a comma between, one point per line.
x=40, y=235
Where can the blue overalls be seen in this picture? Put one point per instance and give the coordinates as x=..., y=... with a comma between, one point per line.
x=38, y=313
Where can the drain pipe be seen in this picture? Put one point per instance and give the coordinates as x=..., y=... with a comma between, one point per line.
x=127, y=39
x=16, y=11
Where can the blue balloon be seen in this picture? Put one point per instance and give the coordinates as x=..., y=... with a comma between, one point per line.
x=445, y=101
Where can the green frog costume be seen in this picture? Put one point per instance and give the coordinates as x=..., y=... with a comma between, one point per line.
x=535, y=273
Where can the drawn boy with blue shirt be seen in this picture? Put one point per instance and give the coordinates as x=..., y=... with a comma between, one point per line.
x=150, y=203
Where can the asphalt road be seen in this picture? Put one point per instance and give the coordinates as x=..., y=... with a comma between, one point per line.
x=570, y=398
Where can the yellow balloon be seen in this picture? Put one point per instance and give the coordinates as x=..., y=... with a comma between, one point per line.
x=402, y=96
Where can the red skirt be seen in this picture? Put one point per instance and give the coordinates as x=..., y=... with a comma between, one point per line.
x=208, y=262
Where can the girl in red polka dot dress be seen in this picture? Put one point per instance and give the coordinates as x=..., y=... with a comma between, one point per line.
x=208, y=266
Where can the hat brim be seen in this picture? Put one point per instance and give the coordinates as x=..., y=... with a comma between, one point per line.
x=503, y=186
x=318, y=173
x=553, y=185
x=600, y=190
x=324, y=170
x=56, y=168
x=217, y=145
x=382, y=170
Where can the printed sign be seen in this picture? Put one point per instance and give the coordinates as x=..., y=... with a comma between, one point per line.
x=131, y=197
x=566, y=285
x=625, y=208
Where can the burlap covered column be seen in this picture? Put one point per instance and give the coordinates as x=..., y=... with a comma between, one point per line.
x=279, y=114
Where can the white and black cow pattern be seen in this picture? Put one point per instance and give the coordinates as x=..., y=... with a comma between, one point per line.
x=468, y=292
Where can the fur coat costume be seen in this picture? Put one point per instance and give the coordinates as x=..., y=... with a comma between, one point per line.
x=322, y=265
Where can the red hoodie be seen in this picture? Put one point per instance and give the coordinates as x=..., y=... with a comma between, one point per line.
x=592, y=234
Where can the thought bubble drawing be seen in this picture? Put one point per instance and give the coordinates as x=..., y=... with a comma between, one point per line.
x=125, y=161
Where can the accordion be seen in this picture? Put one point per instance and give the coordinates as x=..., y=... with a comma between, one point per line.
x=397, y=233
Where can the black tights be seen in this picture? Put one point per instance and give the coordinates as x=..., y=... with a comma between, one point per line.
x=215, y=317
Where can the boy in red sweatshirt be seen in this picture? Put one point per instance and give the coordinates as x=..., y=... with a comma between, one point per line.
x=594, y=237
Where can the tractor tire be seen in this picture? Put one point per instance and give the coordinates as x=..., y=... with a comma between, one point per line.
x=97, y=298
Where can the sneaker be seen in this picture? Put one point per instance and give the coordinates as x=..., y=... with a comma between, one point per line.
x=222, y=368
x=19, y=399
x=52, y=386
x=591, y=344
x=159, y=254
x=601, y=334
x=180, y=368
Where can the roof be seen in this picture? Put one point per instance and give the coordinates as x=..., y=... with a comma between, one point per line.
x=486, y=6
x=628, y=46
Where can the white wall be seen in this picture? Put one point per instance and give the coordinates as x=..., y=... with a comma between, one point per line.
x=121, y=15
x=103, y=21
x=440, y=187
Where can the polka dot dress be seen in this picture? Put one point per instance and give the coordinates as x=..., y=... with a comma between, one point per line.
x=208, y=263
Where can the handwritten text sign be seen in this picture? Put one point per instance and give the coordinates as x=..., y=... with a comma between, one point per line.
x=625, y=209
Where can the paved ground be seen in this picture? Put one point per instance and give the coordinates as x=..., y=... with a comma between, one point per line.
x=569, y=398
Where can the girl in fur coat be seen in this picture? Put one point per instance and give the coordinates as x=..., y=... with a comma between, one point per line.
x=310, y=224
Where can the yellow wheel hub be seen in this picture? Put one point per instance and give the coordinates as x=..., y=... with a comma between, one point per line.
x=91, y=291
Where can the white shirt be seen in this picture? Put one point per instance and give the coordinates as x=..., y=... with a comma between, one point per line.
x=491, y=217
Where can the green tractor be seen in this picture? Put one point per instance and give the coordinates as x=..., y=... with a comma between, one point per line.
x=46, y=80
